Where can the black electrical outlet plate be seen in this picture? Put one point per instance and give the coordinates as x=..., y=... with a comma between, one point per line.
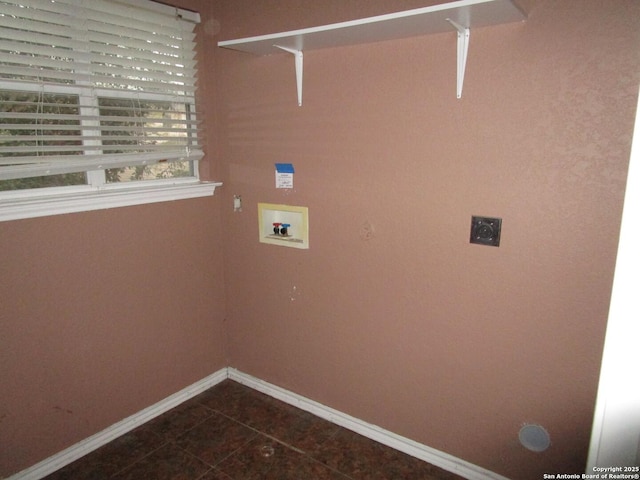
x=485, y=231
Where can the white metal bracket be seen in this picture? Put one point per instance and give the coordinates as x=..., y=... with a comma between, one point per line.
x=464, y=34
x=298, y=59
x=463, y=49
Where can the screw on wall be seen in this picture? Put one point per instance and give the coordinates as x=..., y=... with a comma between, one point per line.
x=294, y=293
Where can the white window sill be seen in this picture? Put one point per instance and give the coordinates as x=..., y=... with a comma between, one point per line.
x=84, y=199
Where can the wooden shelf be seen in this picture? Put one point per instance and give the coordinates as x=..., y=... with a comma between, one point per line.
x=459, y=16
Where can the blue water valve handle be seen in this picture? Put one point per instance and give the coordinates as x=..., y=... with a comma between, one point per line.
x=284, y=228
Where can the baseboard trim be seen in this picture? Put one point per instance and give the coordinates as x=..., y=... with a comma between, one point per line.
x=390, y=439
x=88, y=445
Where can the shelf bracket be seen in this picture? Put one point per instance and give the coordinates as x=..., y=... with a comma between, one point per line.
x=298, y=59
x=463, y=49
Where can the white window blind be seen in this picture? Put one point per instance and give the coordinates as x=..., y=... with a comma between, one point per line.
x=95, y=84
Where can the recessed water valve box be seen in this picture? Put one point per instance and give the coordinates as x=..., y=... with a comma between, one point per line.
x=485, y=231
x=284, y=225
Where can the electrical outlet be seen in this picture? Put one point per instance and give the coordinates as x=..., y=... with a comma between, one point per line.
x=485, y=231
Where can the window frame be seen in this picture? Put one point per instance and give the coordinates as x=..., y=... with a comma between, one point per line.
x=97, y=193
x=22, y=204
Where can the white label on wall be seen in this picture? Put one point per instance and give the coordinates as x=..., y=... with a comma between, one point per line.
x=284, y=175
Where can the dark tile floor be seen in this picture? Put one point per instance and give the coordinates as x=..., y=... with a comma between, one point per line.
x=231, y=432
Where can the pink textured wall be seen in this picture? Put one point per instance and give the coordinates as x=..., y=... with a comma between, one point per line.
x=414, y=329
x=103, y=314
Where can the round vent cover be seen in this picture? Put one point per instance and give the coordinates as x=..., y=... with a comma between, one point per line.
x=534, y=437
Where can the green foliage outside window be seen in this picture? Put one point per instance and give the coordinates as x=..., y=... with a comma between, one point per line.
x=127, y=133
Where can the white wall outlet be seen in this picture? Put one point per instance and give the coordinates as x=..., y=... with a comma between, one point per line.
x=237, y=203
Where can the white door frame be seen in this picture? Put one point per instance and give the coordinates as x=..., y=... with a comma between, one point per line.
x=615, y=437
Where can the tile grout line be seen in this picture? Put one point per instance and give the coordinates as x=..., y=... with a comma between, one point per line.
x=299, y=413
x=306, y=455
x=138, y=460
x=166, y=441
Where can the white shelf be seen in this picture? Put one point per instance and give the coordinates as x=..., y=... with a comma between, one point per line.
x=459, y=16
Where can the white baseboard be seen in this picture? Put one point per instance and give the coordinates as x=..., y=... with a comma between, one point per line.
x=390, y=439
x=82, y=448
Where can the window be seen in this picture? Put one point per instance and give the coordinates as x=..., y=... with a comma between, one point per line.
x=97, y=104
